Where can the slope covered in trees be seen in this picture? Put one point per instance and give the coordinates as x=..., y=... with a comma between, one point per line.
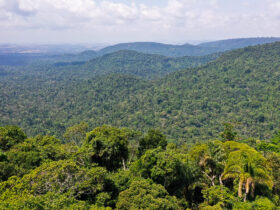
x=240, y=87
x=120, y=168
x=147, y=66
x=87, y=65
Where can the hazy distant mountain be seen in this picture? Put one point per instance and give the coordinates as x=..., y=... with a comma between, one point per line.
x=187, y=49
x=159, y=48
x=14, y=55
x=23, y=54
x=20, y=59
x=46, y=48
x=230, y=44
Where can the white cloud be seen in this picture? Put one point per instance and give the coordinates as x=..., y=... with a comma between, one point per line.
x=28, y=5
x=116, y=21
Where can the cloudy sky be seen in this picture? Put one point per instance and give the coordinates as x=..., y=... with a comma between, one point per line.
x=112, y=21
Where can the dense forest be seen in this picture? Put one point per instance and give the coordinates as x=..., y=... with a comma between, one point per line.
x=191, y=105
x=120, y=168
x=129, y=130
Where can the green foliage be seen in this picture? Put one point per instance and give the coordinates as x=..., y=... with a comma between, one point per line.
x=240, y=86
x=6, y=170
x=143, y=194
x=169, y=168
x=228, y=134
x=153, y=139
x=114, y=167
x=261, y=203
x=76, y=134
x=276, y=139
x=25, y=156
x=210, y=158
x=108, y=146
x=148, y=66
x=59, y=177
x=48, y=201
x=247, y=166
x=9, y=136
x=213, y=175
x=274, y=163
x=267, y=147
x=122, y=179
x=218, y=195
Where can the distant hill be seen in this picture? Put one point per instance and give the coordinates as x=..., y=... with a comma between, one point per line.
x=148, y=66
x=47, y=49
x=23, y=59
x=161, y=49
x=187, y=49
x=231, y=44
x=17, y=59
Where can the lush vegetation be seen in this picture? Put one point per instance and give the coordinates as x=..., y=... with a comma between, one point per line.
x=146, y=66
x=120, y=168
x=240, y=86
x=168, y=143
x=30, y=92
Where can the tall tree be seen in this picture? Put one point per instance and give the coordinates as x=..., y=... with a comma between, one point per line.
x=210, y=158
x=10, y=136
x=76, y=133
x=153, y=139
x=247, y=166
x=228, y=134
x=108, y=146
x=144, y=194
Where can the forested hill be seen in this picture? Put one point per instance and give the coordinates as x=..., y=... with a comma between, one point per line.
x=230, y=44
x=147, y=66
x=241, y=87
x=187, y=49
x=159, y=48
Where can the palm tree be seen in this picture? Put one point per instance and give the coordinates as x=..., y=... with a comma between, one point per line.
x=210, y=158
x=249, y=167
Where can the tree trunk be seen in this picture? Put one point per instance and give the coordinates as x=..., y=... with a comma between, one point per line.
x=253, y=190
x=123, y=162
x=213, y=181
x=211, y=178
x=245, y=197
x=247, y=187
x=220, y=180
x=240, y=188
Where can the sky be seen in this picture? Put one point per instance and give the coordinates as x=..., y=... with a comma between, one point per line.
x=114, y=21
